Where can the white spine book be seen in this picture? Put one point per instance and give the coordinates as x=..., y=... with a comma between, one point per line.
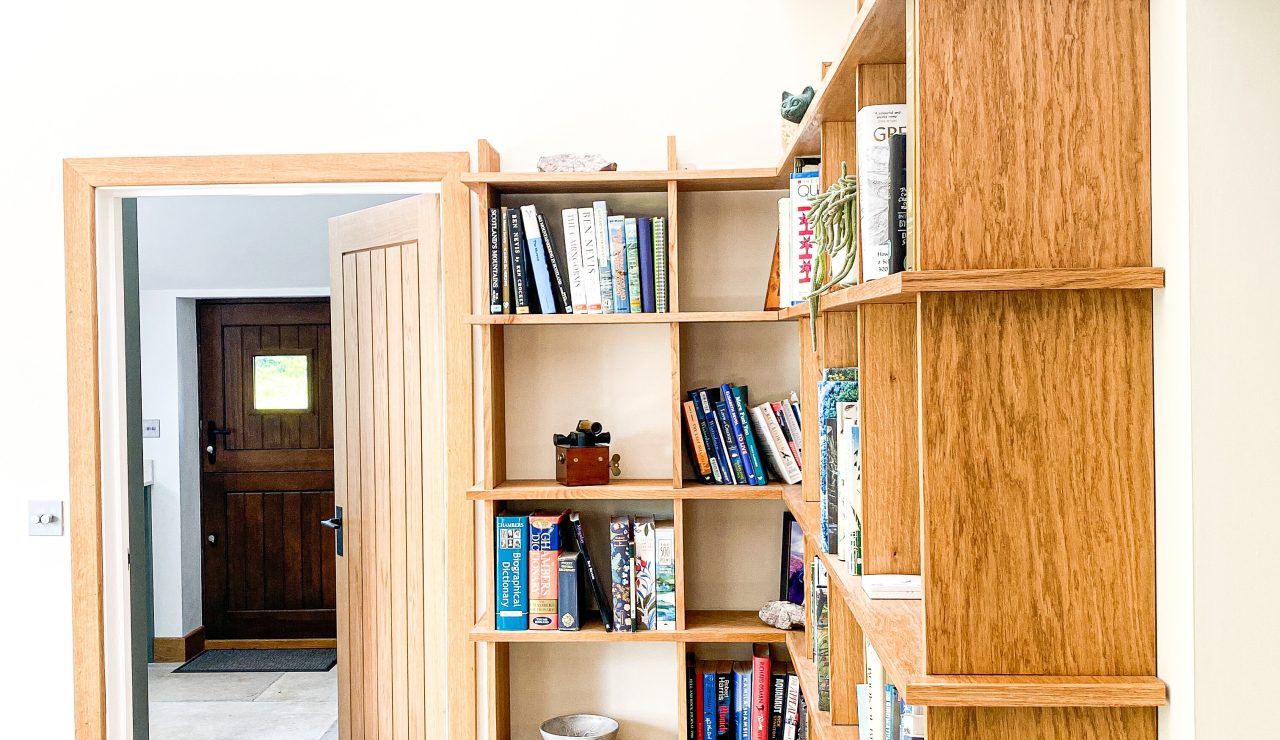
x=792, y=717
x=590, y=270
x=793, y=423
x=573, y=254
x=848, y=485
x=776, y=447
x=876, y=210
x=804, y=251
x=785, y=281
x=875, y=677
x=604, y=262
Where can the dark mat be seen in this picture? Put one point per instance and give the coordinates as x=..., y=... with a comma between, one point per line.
x=297, y=660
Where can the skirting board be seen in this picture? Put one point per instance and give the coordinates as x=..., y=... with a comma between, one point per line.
x=179, y=649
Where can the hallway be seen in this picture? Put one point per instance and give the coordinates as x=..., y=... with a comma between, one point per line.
x=234, y=706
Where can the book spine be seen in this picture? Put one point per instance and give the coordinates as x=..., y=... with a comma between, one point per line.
x=665, y=575
x=777, y=705
x=724, y=697
x=599, y=594
x=519, y=281
x=620, y=566
x=875, y=677
x=784, y=424
x=708, y=439
x=697, y=445
x=604, y=259
x=786, y=283
x=739, y=435
x=538, y=259
x=865, y=715
x=753, y=452
x=891, y=718
x=819, y=617
x=692, y=710
x=804, y=186
x=573, y=253
x=898, y=202
x=569, y=590
x=544, y=579
x=511, y=539
x=508, y=285
x=495, y=260
x=791, y=715
x=775, y=444
x=761, y=674
x=590, y=268
x=646, y=576
x=718, y=443
x=708, y=701
x=874, y=125
x=849, y=486
x=564, y=300
x=660, y=263
x=828, y=490
x=631, y=237
x=802, y=720
x=644, y=229
x=618, y=255
x=726, y=431
x=741, y=701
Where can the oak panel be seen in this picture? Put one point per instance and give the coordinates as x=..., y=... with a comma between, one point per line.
x=1043, y=723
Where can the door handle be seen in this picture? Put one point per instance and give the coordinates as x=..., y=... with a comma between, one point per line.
x=335, y=523
x=212, y=432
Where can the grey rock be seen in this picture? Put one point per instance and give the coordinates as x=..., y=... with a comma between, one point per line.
x=782, y=614
x=575, y=163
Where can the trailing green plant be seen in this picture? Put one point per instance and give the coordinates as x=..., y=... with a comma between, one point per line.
x=833, y=216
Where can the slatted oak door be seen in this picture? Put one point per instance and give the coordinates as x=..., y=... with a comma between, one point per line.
x=389, y=443
x=266, y=399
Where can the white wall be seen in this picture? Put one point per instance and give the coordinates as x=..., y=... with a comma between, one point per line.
x=147, y=77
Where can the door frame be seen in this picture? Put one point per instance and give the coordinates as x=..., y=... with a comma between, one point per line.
x=97, y=431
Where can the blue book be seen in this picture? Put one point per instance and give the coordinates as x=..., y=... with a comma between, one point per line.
x=645, y=228
x=838, y=385
x=742, y=700
x=538, y=259
x=707, y=413
x=740, y=399
x=736, y=423
x=708, y=671
x=735, y=460
x=511, y=540
x=892, y=719
x=569, y=593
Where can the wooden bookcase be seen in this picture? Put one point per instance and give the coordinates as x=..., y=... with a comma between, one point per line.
x=1006, y=382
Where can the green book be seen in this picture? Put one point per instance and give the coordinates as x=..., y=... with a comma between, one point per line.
x=631, y=237
x=660, y=262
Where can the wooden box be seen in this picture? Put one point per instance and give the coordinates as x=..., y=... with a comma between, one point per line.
x=582, y=466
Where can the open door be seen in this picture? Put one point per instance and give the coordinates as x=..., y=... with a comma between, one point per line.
x=389, y=469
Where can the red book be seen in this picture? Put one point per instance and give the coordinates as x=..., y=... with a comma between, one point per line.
x=697, y=700
x=544, y=576
x=761, y=681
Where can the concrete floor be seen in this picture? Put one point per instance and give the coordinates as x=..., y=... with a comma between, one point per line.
x=239, y=706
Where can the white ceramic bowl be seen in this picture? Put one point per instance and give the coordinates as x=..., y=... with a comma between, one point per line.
x=579, y=726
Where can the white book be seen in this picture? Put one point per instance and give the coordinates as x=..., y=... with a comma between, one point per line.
x=665, y=570
x=785, y=293
x=848, y=485
x=604, y=261
x=573, y=254
x=793, y=423
x=618, y=256
x=876, y=210
x=804, y=251
x=590, y=270
x=893, y=586
x=791, y=717
x=875, y=677
x=775, y=445
x=645, y=579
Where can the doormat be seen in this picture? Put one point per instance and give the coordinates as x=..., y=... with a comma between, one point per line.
x=292, y=660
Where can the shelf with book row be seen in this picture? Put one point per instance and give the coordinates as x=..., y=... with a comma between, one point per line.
x=700, y=627
x=624, y=488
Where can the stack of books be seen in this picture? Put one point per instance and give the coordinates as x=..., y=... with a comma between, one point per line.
x=546, y=579
x=758, y=699
x=881, y=711
x=609, y=263
x=730, y=440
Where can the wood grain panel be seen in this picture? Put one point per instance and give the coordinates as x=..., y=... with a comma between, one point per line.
x=1037, y=483
x=397, y=519
x=890, y=439
x=382, y=489
x=1031, y=129
x=837, y=347
x=346, y=445
x=415, y=597
x=1042, y=723
x=367, y=523
x=848, y=665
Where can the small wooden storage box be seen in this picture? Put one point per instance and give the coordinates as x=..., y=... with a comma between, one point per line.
x=582, y=466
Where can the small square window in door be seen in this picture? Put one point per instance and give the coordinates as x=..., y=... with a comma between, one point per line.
x=281, y=383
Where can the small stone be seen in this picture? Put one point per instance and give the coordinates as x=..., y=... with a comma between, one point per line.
x=575, y=163
x=782, y=614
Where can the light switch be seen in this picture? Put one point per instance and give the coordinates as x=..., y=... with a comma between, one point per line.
x=150, y=428
x=44, y=518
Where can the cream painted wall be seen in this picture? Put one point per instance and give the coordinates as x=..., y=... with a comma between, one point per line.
x=145, y=77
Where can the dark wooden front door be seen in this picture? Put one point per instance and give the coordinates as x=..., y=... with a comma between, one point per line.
x=266, y=426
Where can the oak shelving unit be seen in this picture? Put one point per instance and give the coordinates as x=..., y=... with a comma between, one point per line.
x=1006, y=382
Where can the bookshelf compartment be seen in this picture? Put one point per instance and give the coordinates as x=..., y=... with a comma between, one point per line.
x=732, y=555
x=726, y=248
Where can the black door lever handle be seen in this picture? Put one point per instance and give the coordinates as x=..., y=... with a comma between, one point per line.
x=212, y=432
x=335, y=524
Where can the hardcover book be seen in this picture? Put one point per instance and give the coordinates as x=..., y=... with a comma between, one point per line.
x=590, y=270
x=777, y=700
x=692, y=705
x=865, y=715
x=736, y=427
x=898, y=203
x=731, y=444
x=791, y=711
x=790, y=435
x=714, y=434
x=761, y=684
x=707, y=700
x=538, y=258
x=875, y=125
x=804, y=186
x=573, y=253
x=849, y=486
x=564, y=301
x=508, y=306
x=660, y=263
x=739, y=393
x=595, y=579
x=819, y=617
x=741, y=724
x=604, y=256
x=631, y=237
x=697, y=444
x=544, y=578
x=724, y=699
x=569, y=591
x=646, y=575
x=519, y=278
x=495, y=260
x=620, y=567
x=665, y=575
x=768, y=433
x=832, y=390
x=511, y=600
x=644, y=229
x=618, y=256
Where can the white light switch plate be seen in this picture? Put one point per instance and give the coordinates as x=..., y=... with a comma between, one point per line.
x=150, y=428
x=44, y=518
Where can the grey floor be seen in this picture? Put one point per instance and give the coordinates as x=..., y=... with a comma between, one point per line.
x=239, y=706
